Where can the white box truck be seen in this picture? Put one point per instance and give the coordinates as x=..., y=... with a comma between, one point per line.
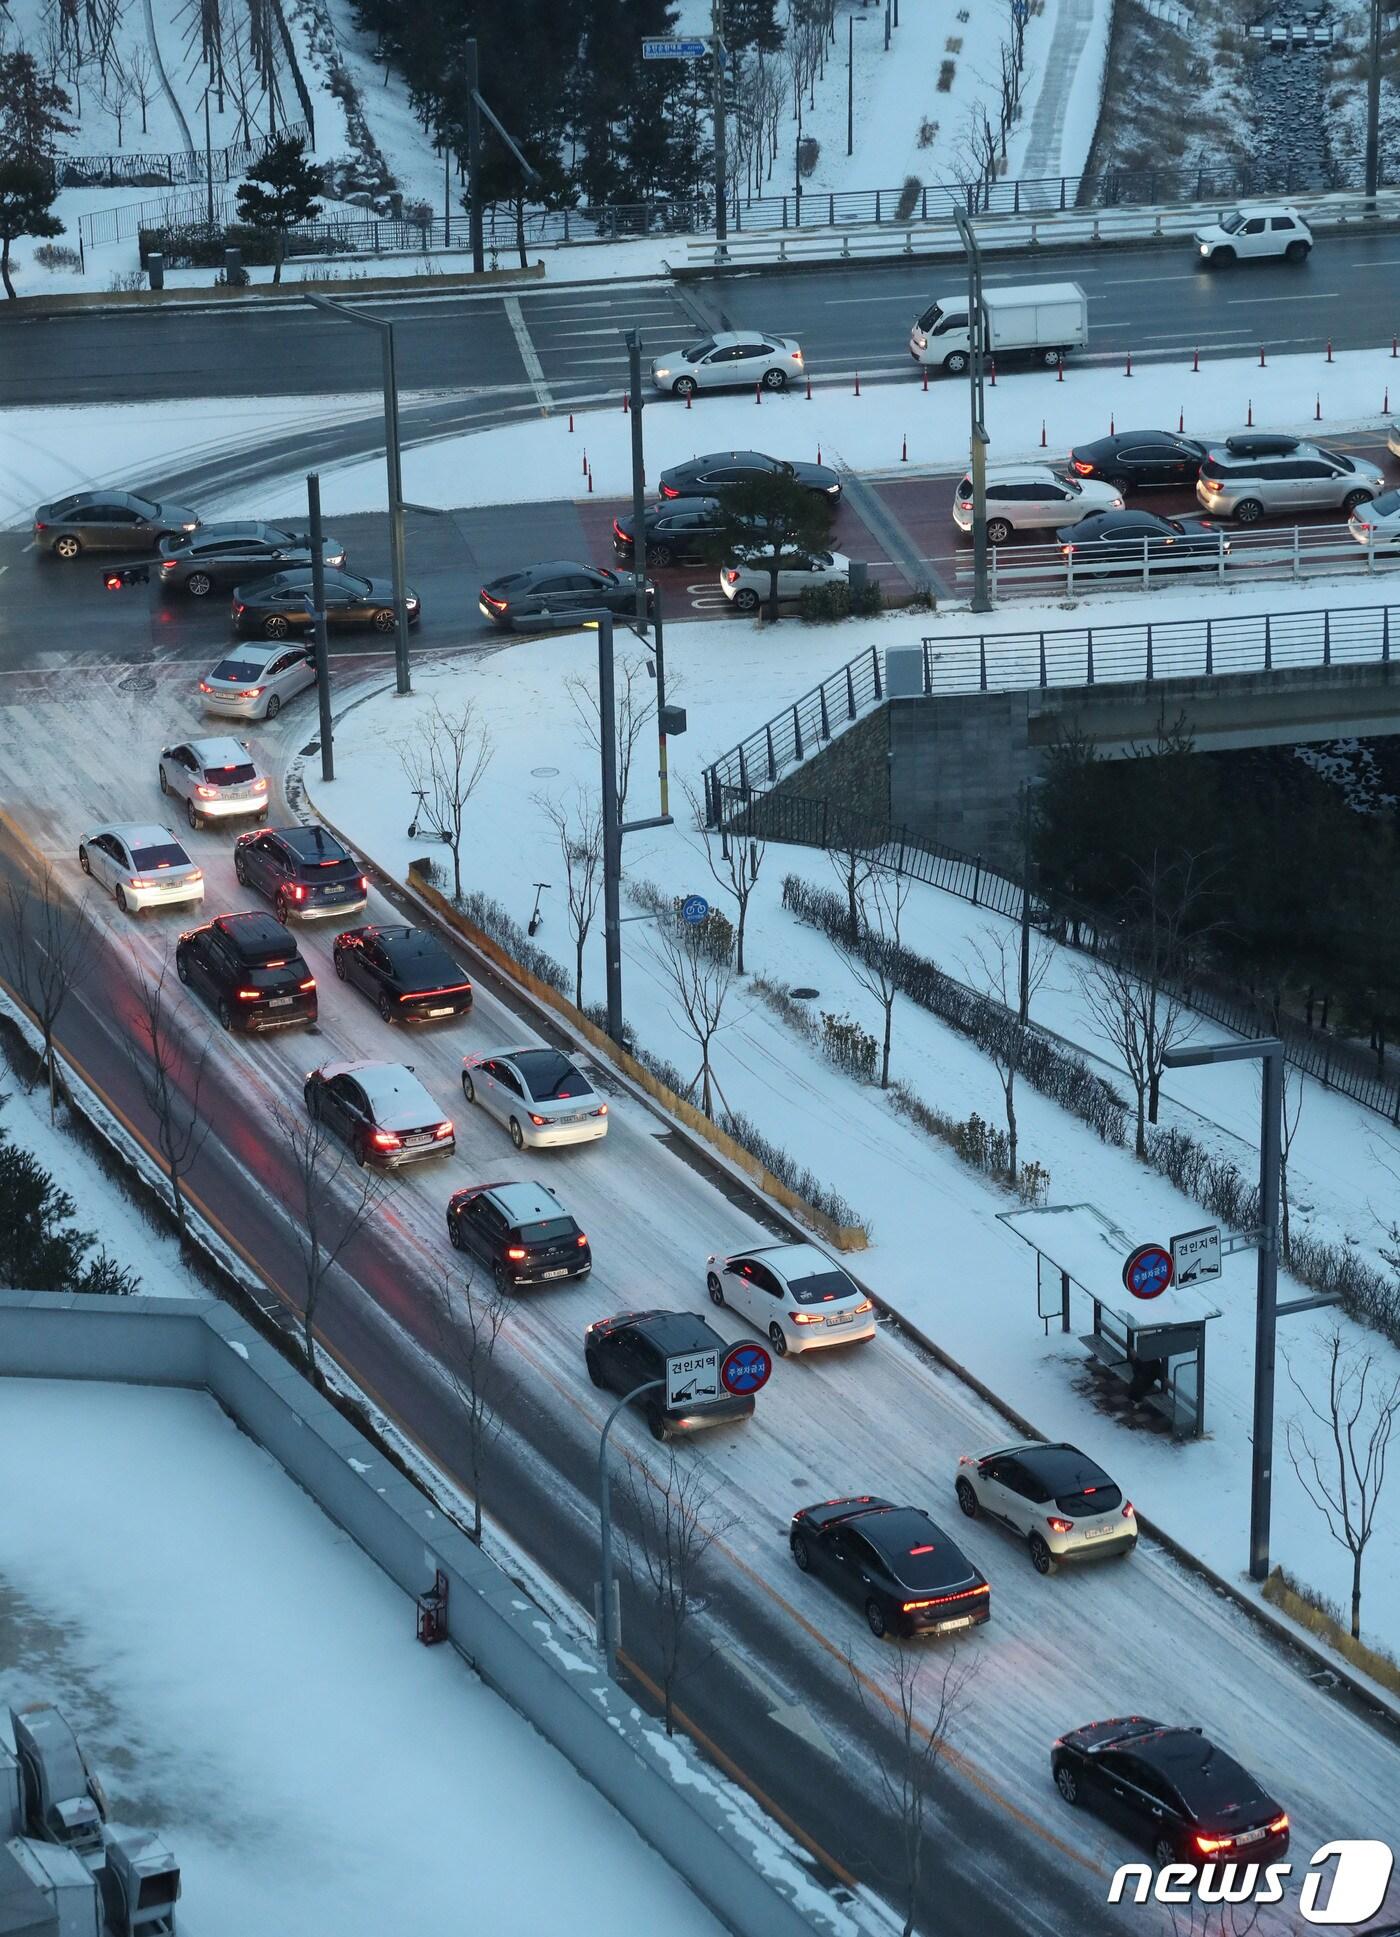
x=1043, y=320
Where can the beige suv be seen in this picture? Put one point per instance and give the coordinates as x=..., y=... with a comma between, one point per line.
x=1244, y=485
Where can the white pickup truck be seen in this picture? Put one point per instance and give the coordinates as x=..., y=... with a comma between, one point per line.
x=1045, y=320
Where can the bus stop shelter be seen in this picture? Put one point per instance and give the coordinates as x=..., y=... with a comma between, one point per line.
x=1156, y=1344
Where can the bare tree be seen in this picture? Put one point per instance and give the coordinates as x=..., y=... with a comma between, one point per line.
x=634, y=709
x=676, y=1529
x=907, y=1771
x=171, y=1079
x=326, y=1212
x=996, y=971
x=851, y=864
x=579, y=827
x=468, y=1321
x=983, y=141
x=700, y=976
x=1344, y=1481
x=117, y=92
x=447, y=764
x=142, y=75
x=873, y=957
x=47, y=947
x=1292, y=1111
x=736, y=869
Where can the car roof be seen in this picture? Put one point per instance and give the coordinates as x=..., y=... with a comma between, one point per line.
x=1205, y=1775
x=724, y=457
x=1222, y=454
x=254, y=931
x=220, y=750
x=137, y=833
x=678, y=1332
x=395, y=1093
x=312, y=843
x=1022, y=474
x=1063, y=1468
x=790, y=1257
x=238, y=528
x=1147, y=520
x=525, y=1203
x=727, y=338
x=554, y=565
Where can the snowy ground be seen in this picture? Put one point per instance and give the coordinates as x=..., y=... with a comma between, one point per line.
x=847, y=1133
x=327, y=1739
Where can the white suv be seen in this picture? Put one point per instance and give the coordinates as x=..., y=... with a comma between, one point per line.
x=1060, y=1502
x=1246, y=233
x=1032, y=497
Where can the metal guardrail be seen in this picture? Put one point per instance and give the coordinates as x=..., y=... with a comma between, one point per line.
x=799, y=729
x=1299, y=552
x=148, y=171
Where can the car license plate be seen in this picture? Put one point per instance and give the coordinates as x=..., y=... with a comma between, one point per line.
x=963, y=1621
x=1250, y=1836
x=281, y=1002
x=418, y=1137
x=440, y=1012
x=562, y=1272
x=840, y=1318
x=334, y=894
x=1096, y=1533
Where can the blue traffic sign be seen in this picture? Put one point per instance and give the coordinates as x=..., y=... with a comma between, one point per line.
x=1148, y=1271
x=694, y=909
x=745, y=1369
x=673, y=50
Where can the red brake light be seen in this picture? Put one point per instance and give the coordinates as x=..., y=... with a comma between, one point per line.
x=516, y=1252
x=1128, y=1510
x=1084, y=470
x=139, y=881
x=806, y=1318
x=1067, y=551
x=113, y=581
x=260, y=785
x=797, y=356
x=168, y=564
x=497, y=605
x=926, y=1549
x=247, y=995
x=1208, y=1845
x=1211, y=484
x=298, y=892
x=251, y=692
x=1059, y=1526
x=207, y=793
x=39, y=527
x=385, y=1140
x=621, y=533
x=309, y=983
x=364, y=885
x=939, y=1600
x=732, y=575
x=669, y=491
x=582, y=1240
x=601, y=1110
x=1279, y=1824
x=865, y=1305
x=537, y=1120
x=239, y=608
x=205, y=687
x=444, y=1129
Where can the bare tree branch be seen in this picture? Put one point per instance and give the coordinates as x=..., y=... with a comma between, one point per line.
x=700, y=978
x=468, y=1321
x=47, y=947
x=736, y=870
x=997, y=955
x=676, y=1531
x=871, y=958
x=447, y=764
x=171, y=1080
x=579, y=828
x=634, y=707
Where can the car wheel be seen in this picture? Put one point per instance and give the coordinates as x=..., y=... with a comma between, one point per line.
x=656, y=1424
x=1221, y=258
x=658, y=555
x=468, y=1087
x=454, y=1233
x=955, y=362
x=592, y=1368
x=66, y=547
x=1052, y=359
x=500, y=1278
x=225, y=1015
x=275, y=626
x=746, y=600
x=778, y=1339
x=119, y=895
x=240, y=871
x=1163, y=1852
x=517, y=1135
x=310, y=1098
x=383, y=621
x=199, y=585
x=357, y=1146
x=279, y=908
x=967, y=1498
x=1067, y=1785
x=1120, y=485
x=775, y=379
x=875, y=1615
x=714, y=1287
x=1041, y=1557
x=340, y=964
x=800, y=1554
x=192, y=816
x=83, y=861
x=273, y=707
x=998, y=531
x=1296, y=252
x=1354, y=498
x=164, y=783
x=683, y=387
x=182, y=966
x=386, y=1007
x=1248, y=511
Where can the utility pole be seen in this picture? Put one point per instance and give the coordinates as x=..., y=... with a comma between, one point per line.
x=318, y=600
x=605, y=1588
x=1024, y=1004
x=208, y=163
x=981, y=602
x=1373, y=110
x=658, y=641
x=633, y=339
x=721, y=155
x=476, y=107
x=851, y=24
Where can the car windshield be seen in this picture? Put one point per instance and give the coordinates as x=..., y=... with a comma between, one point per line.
x=548, y=1230
x=1233, y=221
x=1072, y=485
x=231, y=776
x=700, y=349
x=167, y=855
x=819, y=1287
x=549, y=1075
x=143, y=505
x=1338, y=457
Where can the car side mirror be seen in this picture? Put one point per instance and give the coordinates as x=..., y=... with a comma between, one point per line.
x=166, y=752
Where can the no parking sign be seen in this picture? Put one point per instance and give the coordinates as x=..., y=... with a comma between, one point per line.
x=1148, y=1271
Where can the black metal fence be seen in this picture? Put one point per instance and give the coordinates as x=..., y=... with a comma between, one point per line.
x=800, y=728
x=150, y=171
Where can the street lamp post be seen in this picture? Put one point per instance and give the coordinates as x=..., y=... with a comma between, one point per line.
x=318, y=600
x=208, y=162
x=1373, y=109
x=605, y=1586
x=887, y=26
x=633, y=340
x=851, y=24
x=1269, y=1053
x=980, y=602
x=395, y=469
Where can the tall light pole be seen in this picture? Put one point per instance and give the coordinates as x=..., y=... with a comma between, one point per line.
x=1373, y=108
x=887, y=26
x=851, y=24
x=605, y=1586
x=208, y=161
x=318, y=600
x=979, y=439
x=633, y=340
x=721, y=150
x=1268, y=1052
x=391, y=453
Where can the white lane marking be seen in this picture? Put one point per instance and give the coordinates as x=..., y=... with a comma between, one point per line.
x=1320, y=296
x=1136, y=282
x=534, y=369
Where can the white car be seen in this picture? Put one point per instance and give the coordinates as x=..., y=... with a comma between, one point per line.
x=1393, y=437
x=380, y=1111
x=733, y=359
x=1033, y=497
x=217, y=779
x=143, y=866
x=746, y=583
x=1245, y=234
x=795, y=1293
x=1378, y=523
x=1055, y=1498
x=257, y=677
x=541, y=1095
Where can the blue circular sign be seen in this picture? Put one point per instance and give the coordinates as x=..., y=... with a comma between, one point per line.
x=745, y=1369
x=1148, y=1271
x=694, y=908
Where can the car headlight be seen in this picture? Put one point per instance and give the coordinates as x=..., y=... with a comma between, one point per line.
x=1205, y=248
x=660, y=373
x=832, y=490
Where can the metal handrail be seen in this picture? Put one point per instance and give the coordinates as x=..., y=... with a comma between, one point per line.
x=1295, y=552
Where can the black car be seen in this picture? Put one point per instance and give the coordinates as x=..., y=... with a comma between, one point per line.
x=522, y=1231
x=897, y=1565
x=301, y=870
x=1171, y=1789
x=528, y=597
x=624, y=1352
x=678, y=531
x=278, y=606
x=405, y=971
x=380, y=1110
x=1135, y=458
x=219, y=555
x=1118, y=541
x=723, y=470
x=249, y=968
x=109, y=521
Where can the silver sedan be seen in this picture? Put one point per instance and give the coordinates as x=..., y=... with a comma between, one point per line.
x=142, y=865
x=732, y=360
x=541, y=1095
x=217, y=779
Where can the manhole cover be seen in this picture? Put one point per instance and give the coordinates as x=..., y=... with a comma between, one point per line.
x=544, y=773
x=137, y=683
x=804, y=995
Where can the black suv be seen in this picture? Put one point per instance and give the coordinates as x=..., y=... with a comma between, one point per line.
x=521, y=1230
x=624, y=1352
x=301, y=870
x=405, y=972
x=897, y=1565
x=1186, y=1800
x=248, y=967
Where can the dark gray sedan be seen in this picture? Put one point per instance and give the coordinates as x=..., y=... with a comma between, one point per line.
x=220, y=555
x=278, y=606
x=531, y=596
x=1120, y=541
x=722, y=471
x=109, y=521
